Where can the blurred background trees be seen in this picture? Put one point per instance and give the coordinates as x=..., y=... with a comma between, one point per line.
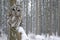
x=38, y=16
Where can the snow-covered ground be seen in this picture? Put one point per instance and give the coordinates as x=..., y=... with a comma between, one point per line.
x=31, y=36
x=43, y=37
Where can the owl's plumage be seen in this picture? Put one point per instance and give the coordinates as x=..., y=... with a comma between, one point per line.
x=14, y=17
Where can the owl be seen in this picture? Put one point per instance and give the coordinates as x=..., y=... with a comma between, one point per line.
x=14, y=17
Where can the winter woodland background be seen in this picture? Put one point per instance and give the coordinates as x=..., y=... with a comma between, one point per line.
x=38, y=16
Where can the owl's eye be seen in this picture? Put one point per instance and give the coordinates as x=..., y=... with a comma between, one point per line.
x=18, y=10
x=13, y=9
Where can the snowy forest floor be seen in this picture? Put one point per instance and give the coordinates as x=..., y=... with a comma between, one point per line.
x=35, y=37
x=31, y=36
x=43, y=37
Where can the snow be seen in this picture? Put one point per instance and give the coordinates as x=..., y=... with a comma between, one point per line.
x=43, y=37
x=24, y=36
x=55, y=38
x=32, y=36
x=40, y=37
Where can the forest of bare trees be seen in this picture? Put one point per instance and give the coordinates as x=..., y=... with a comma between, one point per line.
x=38, y=16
